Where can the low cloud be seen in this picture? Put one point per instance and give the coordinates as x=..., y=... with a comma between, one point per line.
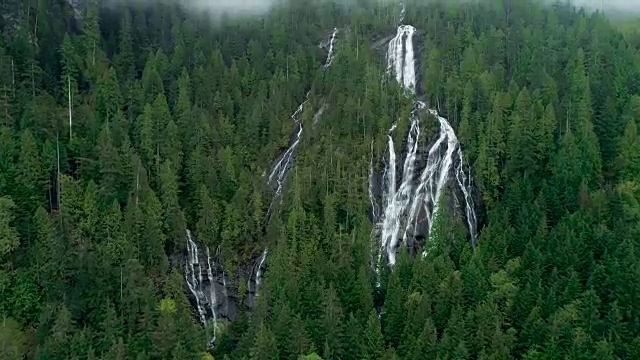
x=231, y=7
x=215, y=7
x=631, y=6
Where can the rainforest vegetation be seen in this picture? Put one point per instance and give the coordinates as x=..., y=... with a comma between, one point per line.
x=122, y=125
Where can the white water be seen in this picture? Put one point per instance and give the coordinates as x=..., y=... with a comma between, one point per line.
x=203, y=289
x=435, y=176
x=417, y=199
x=212, y=296
x=196, y=283
x=279, y=171
x=464, y=182
x=400, y=57
x=389, y=190
x=397, y=204
x=284, y=163
x=332, y=43
x=258, y=269
x=193, y=283
x=263, y=257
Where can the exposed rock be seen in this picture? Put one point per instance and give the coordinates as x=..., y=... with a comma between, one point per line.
x=213, y=291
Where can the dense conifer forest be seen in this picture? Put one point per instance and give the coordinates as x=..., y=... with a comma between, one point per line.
x=125, y=126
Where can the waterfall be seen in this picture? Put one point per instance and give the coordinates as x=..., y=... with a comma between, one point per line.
x=397, y=202
x=256, y=272
x=411, y=210
x=434, y=177
x=213, y=290
x=194, y=284
x=388, y=192
x=332, y=43
x=284, y=162
x=464, y=182
x=202, y=291
x=260, y=270
x=281, y=168
x=400, y=57
x=212, y=296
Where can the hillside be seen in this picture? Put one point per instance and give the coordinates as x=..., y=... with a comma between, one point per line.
x=344, y=180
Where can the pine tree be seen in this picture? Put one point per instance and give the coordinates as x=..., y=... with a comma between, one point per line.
x=125, y=59
x=108, y=98
x=30, y=179
x=332, y=324
x=265, y=345
x=13, y=340
x=9, y=239
x=628, y=160
x=394, y=317
x=174, y=223
x=7, y=154
x=91, y=40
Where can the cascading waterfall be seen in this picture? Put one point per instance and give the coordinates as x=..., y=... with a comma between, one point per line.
x=282, y=166
x=388, y=192
x=434, y=177
x=332, y=43
x=411, y=210
x=398, y=202
x=197, y=285
x=263, y=257
x=279, y=171
x=284, y=163
x=464, y=182
x=212, y=296
x=400, y=57
x=257, y=270
x=190, y=275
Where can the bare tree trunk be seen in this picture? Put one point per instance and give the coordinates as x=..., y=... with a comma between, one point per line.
x=35, y=28
x=59, y=191
x=33, y=82
x=70, y=115
x=13, y=79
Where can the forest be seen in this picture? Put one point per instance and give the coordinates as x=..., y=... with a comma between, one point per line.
x=125, y=126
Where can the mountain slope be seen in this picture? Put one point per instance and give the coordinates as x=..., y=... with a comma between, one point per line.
x=143, y=213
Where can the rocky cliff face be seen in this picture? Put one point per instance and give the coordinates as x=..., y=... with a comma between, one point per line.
x=216, y=294
x=408, y=187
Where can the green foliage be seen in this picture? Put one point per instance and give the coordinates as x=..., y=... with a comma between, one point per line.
x=13, y=340
x=176, y=122
x=9, y=237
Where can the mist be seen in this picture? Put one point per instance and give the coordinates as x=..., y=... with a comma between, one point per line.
x=632, y=7
x=231, y=7
x=215, y=7
x=235, y=8
x=258, y=7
